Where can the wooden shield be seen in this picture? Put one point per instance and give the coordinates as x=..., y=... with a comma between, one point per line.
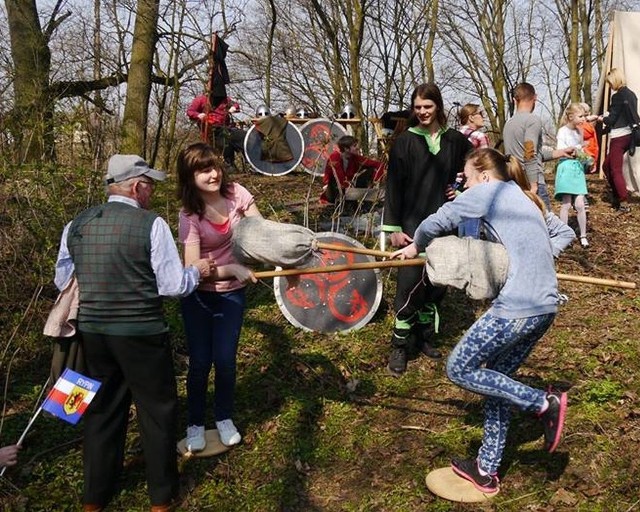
x=253, y=152
x=320, y=140
x=332, y=302
x=445, y=483
x=213, y=447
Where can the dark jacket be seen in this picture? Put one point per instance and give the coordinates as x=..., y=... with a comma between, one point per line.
x=417, y=179
x=619, y=115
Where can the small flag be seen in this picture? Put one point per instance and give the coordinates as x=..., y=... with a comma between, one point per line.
x=71, y=396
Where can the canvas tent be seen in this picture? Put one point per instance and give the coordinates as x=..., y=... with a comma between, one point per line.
x=623, y=52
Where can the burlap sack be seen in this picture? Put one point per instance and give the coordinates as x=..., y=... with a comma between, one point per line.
x=258, y=240
x=478, y=267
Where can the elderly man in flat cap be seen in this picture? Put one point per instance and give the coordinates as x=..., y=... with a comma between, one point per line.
x=125, y=260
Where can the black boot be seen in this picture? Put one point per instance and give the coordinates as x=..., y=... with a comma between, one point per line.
x=423, y=335
x=397, y=361
x=398, y=358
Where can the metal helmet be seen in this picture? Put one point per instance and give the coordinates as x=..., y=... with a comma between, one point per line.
x=348, y=112
x=290, y=112
x=302, y=113
x=262, y=111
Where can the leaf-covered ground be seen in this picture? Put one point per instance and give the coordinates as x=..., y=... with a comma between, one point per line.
x=327, y=429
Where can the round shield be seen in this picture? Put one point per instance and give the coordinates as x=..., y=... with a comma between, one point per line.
x=332, y=302
x=213, y=446
x=253, y=152
x=320, y=140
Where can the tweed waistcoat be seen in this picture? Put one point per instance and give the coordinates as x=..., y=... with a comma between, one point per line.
x=110, y=246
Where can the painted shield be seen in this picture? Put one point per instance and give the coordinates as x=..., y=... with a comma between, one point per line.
x=332, y=302
x=253, y=152
x=320, y=140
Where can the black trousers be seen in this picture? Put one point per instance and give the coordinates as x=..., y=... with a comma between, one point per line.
x=413, y=292
x=138, y=368
x=229, y=141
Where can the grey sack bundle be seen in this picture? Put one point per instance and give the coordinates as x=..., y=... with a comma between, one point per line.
x=478, y=267
x=258, y=240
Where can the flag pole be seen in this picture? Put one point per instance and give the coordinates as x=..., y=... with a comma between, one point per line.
x=33, y=418
x=62, y=394
x=24, y=434
x=31, y=421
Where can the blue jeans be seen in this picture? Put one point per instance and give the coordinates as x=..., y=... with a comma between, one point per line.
x=543, y=193
x=501, y=345
x=212, y=323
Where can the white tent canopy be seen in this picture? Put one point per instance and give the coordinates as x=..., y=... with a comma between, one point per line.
x=623, y=52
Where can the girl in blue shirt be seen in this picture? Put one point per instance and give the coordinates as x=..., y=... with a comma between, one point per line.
x=495, y=346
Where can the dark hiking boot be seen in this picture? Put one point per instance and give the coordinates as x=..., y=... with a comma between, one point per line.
x=397, y=361
x=430, y=351
x=423, y=335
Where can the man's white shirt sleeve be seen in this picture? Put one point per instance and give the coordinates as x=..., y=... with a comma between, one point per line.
x=172, y=278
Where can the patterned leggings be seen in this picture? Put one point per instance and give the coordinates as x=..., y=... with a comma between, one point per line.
x=501, y=345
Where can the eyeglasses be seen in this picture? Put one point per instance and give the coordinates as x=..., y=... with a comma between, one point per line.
x=481, y=114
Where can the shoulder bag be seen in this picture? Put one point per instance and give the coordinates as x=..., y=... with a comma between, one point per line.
x=635, y=128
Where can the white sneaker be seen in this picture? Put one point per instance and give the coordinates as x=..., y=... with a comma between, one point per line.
x=228, y=432
x=584, y=242
x=196, y=440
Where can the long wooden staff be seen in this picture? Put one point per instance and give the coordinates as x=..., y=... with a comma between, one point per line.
x=339, y=268
x=212, y=72
x=356, y=250
x=596, y=280
x=416, y=262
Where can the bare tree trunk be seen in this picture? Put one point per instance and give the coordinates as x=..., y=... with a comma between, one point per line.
x=32, y=119
x=134, y=123
x=492, y=64
x=585, y=17
x=599, y=35
x=432, y=14
x=95, y=117
x=572, y=36
x=172, y=146
x=327, y=22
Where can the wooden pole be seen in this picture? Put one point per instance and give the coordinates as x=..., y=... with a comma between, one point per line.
x=605, y=106
x=356, y=250
x=339, y=268
x=596, y=280
x=212, y=72
x=420, y=261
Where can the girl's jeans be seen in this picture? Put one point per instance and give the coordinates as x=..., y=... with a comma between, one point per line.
x=501, y=345
x=212, y=323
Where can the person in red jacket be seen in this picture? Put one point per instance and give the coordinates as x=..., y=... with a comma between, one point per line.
x=213, y=115
x=591, y=144
x=346, y=168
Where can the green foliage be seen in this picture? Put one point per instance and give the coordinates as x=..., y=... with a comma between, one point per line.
x=602, y=392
